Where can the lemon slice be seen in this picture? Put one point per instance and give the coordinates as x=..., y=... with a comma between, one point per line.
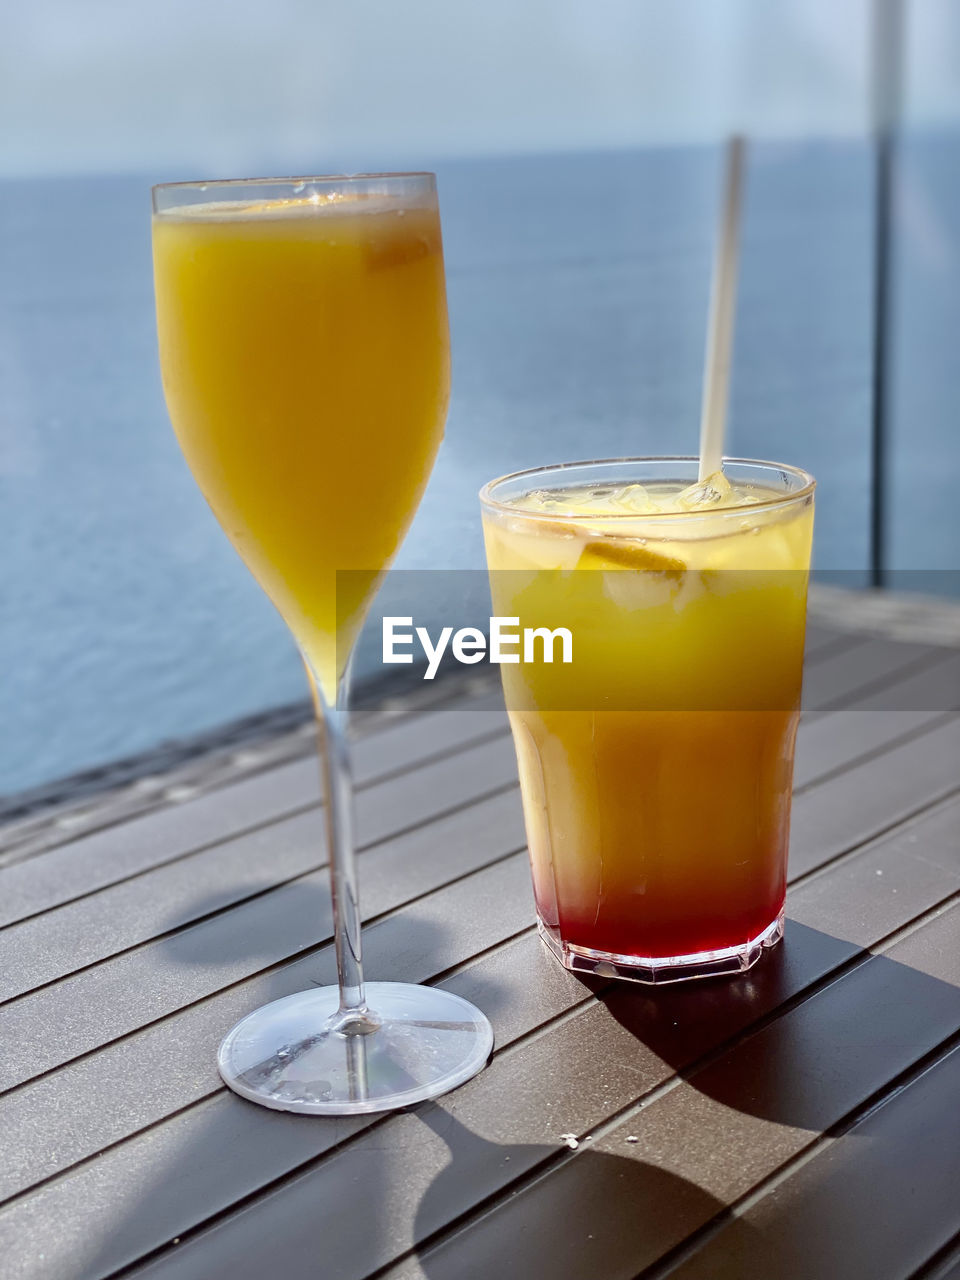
x=618, y=553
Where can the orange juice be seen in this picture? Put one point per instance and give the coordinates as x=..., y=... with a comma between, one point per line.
x=305, y=360
x=655, y=770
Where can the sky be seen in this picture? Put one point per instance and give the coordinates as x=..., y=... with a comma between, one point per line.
x=213, y=86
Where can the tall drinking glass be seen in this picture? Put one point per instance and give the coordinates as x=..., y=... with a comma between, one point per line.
x=656, y=768
x=305, y=358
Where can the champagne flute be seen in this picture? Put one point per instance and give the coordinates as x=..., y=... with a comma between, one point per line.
x=305, y=357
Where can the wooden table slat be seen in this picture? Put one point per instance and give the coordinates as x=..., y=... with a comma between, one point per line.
x=121, y=852
x=103, y=992
x=822, y=639
x=811, y=954
x=848, y=809
x=87, y=862
x=934, y=688
x=93, y=861
x=709, y=1140
x=170, y=894
x=904, y=1155
x=861, y=669
x=43, y=1135
x=169, y=897
x=945, y=1267
x=80, y=1012
x=152, y=981
x=830, y=743
x=147, y=939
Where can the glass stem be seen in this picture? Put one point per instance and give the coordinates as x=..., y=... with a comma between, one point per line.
x=353, y=1016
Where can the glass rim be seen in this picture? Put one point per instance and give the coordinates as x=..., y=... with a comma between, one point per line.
x=292, y=180
x=487, y=500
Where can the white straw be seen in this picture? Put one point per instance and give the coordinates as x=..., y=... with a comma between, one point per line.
x=723, y=297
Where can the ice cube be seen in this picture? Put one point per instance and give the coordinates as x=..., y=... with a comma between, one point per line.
x=535, y=500
x=633, y=498
x=712, y=492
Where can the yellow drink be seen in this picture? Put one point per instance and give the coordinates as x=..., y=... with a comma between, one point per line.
x=656, y=769
x=305, y=360
x=303, y=339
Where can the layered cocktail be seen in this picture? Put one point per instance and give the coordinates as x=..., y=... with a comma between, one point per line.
x=656, y=768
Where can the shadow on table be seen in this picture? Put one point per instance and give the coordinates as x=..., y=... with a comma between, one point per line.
x=596, y=1216
x=601, y=1215
x=340, y=1213
x=251, y=927
x=806, y=1069
x=219, y=1149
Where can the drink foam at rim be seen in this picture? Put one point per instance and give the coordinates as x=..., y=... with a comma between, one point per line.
x=317, y=204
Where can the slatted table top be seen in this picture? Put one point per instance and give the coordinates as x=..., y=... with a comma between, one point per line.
x=800, y=1121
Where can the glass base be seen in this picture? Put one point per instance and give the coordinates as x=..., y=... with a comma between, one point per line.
x=658, y=969
x=427, y=1042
